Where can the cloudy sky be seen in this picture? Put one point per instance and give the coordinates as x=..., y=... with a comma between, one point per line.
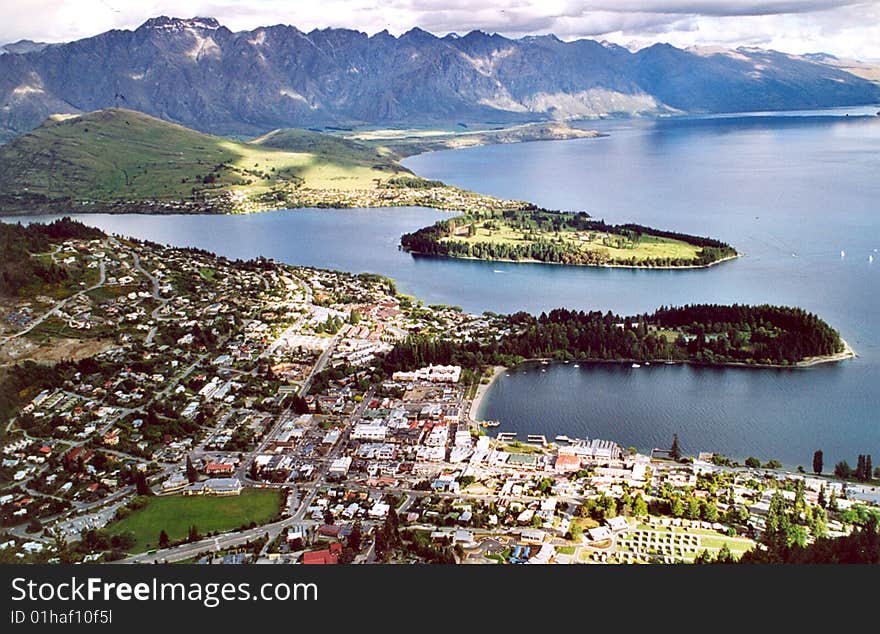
x=849, y=28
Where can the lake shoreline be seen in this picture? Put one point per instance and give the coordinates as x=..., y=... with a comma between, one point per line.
x=595, y=266
x=810, y=362
x=482, y=390
x=846, y=353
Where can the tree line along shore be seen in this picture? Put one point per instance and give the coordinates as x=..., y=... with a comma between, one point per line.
x=709, y=334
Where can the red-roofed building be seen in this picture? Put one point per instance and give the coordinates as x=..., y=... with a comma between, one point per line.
x=567, y=463
x=78, y=454
x=328, y=556
x=219, y=467
x=329, y=530
x=73, y=454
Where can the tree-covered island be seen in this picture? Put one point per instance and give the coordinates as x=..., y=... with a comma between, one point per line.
x=541, y=235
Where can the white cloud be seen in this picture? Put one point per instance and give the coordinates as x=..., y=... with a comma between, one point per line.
x=848, y=28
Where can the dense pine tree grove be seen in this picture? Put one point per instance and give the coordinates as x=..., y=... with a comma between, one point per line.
x=701, y=333
x=862, y=546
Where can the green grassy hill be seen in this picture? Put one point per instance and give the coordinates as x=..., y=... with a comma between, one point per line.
x=113, y=155
x=320, y=144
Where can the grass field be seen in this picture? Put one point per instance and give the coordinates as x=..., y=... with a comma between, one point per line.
x=615, y=246
x=175, y=514
x=518, y=447
x=585, y=523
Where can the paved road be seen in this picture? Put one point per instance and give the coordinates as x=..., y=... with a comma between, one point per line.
x=162, y=300
x=322, y=362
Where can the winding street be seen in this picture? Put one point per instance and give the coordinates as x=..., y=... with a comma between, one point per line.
x=163, y=301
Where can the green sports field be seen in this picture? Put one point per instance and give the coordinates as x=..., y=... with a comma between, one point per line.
x=175, y=514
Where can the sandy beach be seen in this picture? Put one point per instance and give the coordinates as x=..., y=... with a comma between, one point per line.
x=482, y=389
x=848, y=353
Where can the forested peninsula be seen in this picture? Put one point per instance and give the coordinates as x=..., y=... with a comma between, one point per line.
x=542, y=235
x=705, y=334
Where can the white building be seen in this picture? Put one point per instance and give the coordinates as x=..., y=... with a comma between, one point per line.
x=340, y=466
x=369, y=431
x=432, y=373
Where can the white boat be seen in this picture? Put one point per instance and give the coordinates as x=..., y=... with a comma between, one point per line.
x=577, y=365
x=497, y=271
x=870, y=259
x=843, y=254
x=562, y=439
x=636, y=365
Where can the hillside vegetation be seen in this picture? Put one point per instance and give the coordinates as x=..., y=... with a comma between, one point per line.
x=321, y=144
x=19, y=269
x=116, y=154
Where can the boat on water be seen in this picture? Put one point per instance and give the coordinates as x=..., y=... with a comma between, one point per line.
x=577, y=365
x=870, y=259
x=562, y=438
x=490, y=423
x=843, y=254
x=636, y=365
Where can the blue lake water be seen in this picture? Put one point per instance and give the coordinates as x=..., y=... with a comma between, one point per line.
x=790, y=192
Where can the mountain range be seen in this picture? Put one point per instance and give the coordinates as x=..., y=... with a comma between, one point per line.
x=198, y=73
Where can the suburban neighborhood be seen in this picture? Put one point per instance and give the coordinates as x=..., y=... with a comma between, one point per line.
x=215, y=411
